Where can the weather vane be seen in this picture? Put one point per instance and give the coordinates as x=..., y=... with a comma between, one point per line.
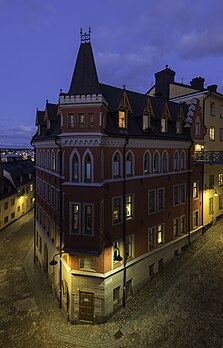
x=85, y=37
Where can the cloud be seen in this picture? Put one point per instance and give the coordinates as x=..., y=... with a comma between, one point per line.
x=18, y=135
x=201, y=44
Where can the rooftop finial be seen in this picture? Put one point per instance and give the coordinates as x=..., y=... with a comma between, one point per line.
x=85, y=37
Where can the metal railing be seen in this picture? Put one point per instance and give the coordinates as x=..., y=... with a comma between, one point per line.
x=208, y=157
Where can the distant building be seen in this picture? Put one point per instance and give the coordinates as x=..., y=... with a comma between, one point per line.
x=17, y=190
x=117, y=193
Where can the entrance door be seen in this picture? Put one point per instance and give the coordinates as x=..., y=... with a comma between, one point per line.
x=86, y=306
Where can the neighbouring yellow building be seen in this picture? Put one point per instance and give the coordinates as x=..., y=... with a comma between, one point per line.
x=210, y=152
x=17, y=193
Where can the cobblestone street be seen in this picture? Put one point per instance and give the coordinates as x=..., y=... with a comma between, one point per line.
x=181, y=307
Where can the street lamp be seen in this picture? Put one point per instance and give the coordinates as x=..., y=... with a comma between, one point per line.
x=53, y=262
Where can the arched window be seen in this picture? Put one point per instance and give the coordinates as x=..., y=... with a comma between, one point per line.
x=75, y=167
x=165, y=162
x=147, y=163
x=176, y=161
x=88, y=167
x=116, y=165
x=156, y=162
x=182, y=161
x=129, y=164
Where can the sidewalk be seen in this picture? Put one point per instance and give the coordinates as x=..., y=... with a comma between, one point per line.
x=117, y=332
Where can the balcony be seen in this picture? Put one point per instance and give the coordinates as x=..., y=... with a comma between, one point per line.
x=208, y=157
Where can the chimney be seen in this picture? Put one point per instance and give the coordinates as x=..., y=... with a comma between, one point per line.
x=197, y=83
x=212, y=88
x=163, y=79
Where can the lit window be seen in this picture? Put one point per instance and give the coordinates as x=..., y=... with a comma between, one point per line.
x=31, y=187
x=76, y=219
x=116, y=210
x=88, y=220
x=212, y=133
x=146, y=168
x=220, y=179
x=81, y=120
x=212, y=108
x=71, y=120
x=195, y=190
x=122, y=119
x=129, y=207
x=160, y=234
x=163, y=124
x=116, y=165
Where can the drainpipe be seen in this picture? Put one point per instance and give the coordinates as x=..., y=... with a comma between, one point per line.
x=60, y=222
x=189, y=193
x=203, y=163
x=34, y=220
x=124, y=221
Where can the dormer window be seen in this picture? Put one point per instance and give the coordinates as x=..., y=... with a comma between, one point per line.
x=179, y=126
x=81, y=120
x=164, y=124
x=146, y=122
x=122, y=119
x=71, y=120
x=90, y=120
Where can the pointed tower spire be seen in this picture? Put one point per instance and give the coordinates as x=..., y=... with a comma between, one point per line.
x=85, y=78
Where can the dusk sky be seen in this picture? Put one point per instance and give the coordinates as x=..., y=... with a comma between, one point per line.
x=131, y=40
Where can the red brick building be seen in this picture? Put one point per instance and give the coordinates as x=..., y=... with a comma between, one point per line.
x=117, y=192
